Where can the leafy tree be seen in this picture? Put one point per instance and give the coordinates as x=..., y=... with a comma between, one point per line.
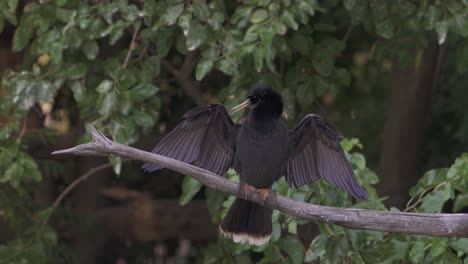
x=126, y=63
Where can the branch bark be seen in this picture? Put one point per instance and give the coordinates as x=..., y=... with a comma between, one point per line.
x=447, y=225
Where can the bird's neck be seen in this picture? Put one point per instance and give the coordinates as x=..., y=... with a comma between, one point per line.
x=264, y=117
x=267, y=111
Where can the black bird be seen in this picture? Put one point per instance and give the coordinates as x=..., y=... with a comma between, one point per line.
x=260, y=150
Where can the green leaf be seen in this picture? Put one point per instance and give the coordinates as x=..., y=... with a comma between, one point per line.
x=214, y=202
x=44, y=90
x=343, y=77
x=433, y=202
x=108, y=104
x=307, y=7
x=459, y=169
x=460, y=202
x=116, y=33
x=259, y=16
x=9, y=173
x=143, y=91
x=190, y=187
x=78, y=90
x=280, y=28
x=91, y=50
x=263, y=2
x=273, y=7
x=460, y=244
x=359, y=160
x=276, y=231
x=293, y=247
x=438, y=246
x=348, y=144
x=251, y=34
x=61, y=2
x=151, y=68
x=272, y=254
x=185, y=22
x=104, y=86
x=459, y=23
x=116, y=164
x=204, y=66
x=441, y=28
x=73, y=71
x=6, y=130
x=196, y=36
x=172, y=13
x=385, y=28
x=22, y=36
x=8, y=9
x=241, y=15
x=288, y=19
x=336, y=249
x=201, y=10
x=357, y=10
x=23, y=166
x=144, y=119
x=259, y=54
x=416, y=252
x=431, y=17
x=430, y=179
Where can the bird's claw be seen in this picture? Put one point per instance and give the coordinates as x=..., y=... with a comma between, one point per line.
x=244, y=189
x=268, y=197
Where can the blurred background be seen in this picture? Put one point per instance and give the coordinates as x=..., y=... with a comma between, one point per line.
x=391, y=75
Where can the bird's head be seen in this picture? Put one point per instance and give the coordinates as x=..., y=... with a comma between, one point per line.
x=265, y=101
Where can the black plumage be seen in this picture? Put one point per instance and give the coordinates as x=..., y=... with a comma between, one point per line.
x=261, y=150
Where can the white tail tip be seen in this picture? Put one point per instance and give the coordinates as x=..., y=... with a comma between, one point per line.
x=245, y=238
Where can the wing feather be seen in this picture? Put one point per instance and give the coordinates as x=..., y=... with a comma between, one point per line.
x=205, y=137
x=316, y=153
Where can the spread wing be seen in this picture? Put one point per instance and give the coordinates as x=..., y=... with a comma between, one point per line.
x=316, y=152
x=205, y=137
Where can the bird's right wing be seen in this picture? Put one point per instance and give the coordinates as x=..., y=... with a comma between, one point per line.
x=205, y=137
x=316, y=153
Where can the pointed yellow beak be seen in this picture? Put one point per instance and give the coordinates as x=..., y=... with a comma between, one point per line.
x=241, y=106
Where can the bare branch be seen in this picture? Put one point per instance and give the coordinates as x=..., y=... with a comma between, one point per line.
x=448, y=225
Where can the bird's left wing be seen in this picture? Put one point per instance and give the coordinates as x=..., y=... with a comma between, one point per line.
x=316, y=152
x=205, y=137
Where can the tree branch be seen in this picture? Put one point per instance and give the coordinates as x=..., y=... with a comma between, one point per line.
x=183, y=77
x=448, y=225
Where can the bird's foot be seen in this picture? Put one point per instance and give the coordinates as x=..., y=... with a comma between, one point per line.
x=268, y=197
x=244, y=189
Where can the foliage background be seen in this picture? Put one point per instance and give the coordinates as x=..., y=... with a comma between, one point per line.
x=391, y=73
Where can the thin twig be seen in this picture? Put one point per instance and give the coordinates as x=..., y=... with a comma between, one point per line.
x=23, y=128
x=77, y=181
x=170, y=68
x=348, y=33
x=143, y=52
x=47, y=73
x=131, y=47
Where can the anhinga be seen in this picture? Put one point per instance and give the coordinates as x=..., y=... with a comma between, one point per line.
x=260, y=150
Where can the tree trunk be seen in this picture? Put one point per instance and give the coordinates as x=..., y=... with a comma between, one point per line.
x=407, y=118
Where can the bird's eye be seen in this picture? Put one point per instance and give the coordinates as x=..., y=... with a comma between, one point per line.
x=253, y=99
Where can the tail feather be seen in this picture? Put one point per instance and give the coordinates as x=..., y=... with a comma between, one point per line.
x=247, y=222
